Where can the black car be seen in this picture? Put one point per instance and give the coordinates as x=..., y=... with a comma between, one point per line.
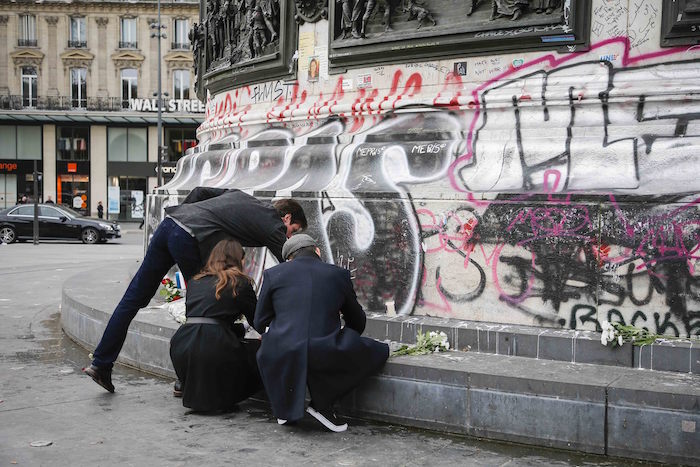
x=55, y=222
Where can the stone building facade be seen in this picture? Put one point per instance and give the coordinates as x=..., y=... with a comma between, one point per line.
x=78, y=83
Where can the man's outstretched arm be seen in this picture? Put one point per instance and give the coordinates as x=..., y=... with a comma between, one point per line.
x=276, y=242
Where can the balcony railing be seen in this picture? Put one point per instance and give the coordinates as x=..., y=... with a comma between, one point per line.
x=179, y=45
x=61, y=103
x=26, y=42
x=128, y=45
x=77, y=44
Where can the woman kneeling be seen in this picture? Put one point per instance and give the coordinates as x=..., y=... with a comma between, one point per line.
x=215, y=365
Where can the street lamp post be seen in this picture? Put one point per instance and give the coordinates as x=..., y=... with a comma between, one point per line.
x=160, y=35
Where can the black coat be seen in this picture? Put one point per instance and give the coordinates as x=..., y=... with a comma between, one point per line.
x=216, y=366
x=214, y=213
x=301, y=302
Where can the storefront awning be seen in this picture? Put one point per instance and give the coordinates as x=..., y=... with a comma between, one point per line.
x=100, y=118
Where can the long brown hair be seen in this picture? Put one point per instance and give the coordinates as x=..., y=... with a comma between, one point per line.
x=226, y=263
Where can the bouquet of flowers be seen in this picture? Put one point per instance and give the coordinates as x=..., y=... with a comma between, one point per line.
x=426, y=343
x=617, y=334
x=170, y=291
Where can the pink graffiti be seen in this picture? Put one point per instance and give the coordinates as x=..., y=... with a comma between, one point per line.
x=461, y=238
x=670, y=246
x=553, y=221
x=551, y=61
x=444, y=306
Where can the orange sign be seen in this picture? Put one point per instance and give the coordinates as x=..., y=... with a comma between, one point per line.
x=72, y=167
x=8, y=166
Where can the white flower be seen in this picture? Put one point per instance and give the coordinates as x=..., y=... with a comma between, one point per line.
x=620, y=341
x=608, y=334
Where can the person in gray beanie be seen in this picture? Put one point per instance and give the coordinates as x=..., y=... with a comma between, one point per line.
x=298, y=242
x=303, y=343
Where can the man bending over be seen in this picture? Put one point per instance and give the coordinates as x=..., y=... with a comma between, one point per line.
x=186, y=237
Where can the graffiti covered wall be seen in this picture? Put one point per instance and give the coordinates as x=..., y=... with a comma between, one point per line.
x=548, y=189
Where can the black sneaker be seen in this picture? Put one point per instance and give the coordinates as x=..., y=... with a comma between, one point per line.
x=177, y=388
x=328, y=418
x=102, y=376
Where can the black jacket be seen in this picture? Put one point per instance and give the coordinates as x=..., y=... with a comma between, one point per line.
x=216, y=367
x=301, y=302
x=213, y=214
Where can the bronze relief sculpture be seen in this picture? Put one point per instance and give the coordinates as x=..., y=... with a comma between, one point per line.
x=367, y=19
x=310, y=11
x=240, y=30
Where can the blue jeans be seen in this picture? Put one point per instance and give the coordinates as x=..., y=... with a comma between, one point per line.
x=170, y=245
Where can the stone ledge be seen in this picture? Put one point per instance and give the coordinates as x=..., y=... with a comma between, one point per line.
x=681, y=355
x=604, y=409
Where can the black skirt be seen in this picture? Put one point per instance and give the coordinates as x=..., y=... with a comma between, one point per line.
x=216, y=367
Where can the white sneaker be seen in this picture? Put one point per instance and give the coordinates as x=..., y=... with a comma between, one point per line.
x=328, y=419
x=281, y=421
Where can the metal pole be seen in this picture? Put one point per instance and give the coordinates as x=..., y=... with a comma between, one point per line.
x=36, y=206
x=160, y=105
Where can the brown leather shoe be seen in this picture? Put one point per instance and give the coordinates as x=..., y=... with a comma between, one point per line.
x=101, y=376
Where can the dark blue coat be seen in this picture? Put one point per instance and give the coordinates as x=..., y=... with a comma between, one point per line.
x=301, y=302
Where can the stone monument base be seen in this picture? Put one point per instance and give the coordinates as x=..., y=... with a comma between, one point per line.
x=548, y=388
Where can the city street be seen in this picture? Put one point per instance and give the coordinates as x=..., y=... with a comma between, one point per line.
x=51, y=414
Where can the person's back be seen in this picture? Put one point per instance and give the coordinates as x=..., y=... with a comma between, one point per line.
x=231, y=213
x=301, y=301
x=318, y=294
x=214, y=363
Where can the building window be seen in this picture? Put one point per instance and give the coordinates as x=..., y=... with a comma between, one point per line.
x=72, y=144
x=72, y=191
x=29, y=80
x=29, y=142
x=180, y=39
x=129, y=86
x=78, y=36
x=181, y=84
x=78, y=87
x=127, y=145
x=20, y=142
x=27, y=31
x=8, y=190
x=132, y=194
x=179, y=140
x=128, y=39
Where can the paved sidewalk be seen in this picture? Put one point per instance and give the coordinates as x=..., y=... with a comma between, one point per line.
x=131, y=228
x=46, y=398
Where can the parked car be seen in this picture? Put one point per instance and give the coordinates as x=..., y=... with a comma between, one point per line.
x=55, y=222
